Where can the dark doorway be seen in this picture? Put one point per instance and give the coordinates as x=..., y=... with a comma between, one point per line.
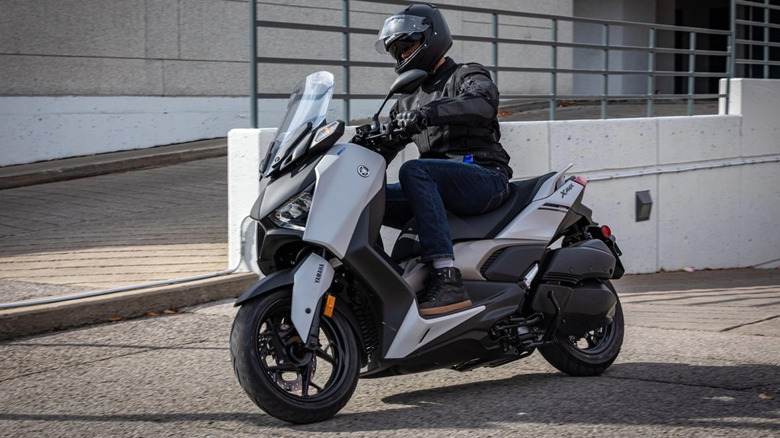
x=759, y=52
x=710, y=14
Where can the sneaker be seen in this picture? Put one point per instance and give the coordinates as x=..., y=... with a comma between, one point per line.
x=444, y=294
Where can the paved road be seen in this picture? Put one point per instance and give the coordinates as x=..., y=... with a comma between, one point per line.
x=701, y=358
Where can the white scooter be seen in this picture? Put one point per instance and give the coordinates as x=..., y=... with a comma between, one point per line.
x=334, y=307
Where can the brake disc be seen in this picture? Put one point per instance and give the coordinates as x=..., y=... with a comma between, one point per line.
x=296, y=384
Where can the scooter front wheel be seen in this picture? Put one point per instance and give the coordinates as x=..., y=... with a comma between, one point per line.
x=282, y=376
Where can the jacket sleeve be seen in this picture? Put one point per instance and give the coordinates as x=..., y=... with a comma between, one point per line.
x=475, y=101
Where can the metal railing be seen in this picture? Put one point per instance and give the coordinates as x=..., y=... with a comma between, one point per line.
x=686, y=54
x=754, y=30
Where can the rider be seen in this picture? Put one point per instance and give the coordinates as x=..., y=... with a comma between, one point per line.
x=462, y=167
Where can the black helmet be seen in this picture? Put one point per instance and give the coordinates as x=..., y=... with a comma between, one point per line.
x=422, y=23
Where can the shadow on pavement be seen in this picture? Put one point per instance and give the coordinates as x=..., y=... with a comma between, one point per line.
x=627, y=395
x=557, y=399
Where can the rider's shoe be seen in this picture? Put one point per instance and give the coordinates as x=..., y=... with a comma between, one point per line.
x=444, y=294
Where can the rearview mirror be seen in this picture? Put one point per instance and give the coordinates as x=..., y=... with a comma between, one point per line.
x=405, y=83
x=408, y=81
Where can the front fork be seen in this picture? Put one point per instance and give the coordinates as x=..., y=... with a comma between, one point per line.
x=312, y=280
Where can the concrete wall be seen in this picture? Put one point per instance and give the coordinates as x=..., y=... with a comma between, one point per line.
x=41, y=128
x=712, y=179
x=124, y=48
x=90, y=76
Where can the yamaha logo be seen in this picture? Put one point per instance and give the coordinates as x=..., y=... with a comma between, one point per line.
x=363, y=171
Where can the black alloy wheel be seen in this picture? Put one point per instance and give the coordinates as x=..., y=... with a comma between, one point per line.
x=280, y=374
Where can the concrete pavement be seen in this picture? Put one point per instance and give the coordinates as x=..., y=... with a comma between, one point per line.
x=683, y=372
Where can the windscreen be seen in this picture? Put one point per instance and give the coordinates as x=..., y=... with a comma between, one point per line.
x=308, y=103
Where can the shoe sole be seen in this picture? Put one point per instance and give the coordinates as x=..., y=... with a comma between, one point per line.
x=433, y=311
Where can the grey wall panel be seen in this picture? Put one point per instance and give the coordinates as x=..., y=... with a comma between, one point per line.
x=56, y=76
x=73, y=27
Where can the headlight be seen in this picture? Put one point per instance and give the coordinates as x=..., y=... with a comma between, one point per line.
x=293, y=214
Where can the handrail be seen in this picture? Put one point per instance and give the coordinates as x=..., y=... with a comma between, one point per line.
x=754, y=46
x=532, y=15
x=554, y=42
x=759, y=43
x=758, y=24
x=758, y=5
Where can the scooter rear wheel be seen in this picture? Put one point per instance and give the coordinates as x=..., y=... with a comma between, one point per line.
x=591, y=353
x=280, y=374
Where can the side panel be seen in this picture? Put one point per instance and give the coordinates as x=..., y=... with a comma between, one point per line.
x=471, y=256
x=348, y=177
x=380, y=275
x=427, y=343
x=416, y=331
x=513, y=262
x=540, y=220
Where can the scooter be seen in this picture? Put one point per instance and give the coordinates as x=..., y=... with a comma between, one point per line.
x=334, y=307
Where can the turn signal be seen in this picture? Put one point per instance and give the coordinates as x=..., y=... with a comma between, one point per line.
x=330, y=304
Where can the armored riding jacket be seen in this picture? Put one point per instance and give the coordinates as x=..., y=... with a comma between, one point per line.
x=461, y=103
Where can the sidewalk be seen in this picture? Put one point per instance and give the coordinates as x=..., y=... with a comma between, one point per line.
x=114, y=220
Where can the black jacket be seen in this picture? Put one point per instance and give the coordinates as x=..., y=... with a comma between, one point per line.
x=461, y=102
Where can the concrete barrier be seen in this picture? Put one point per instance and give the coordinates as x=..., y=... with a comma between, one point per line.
x=711, y=179
x=37, y=128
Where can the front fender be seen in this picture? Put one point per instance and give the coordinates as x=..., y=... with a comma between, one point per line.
x=269, y=283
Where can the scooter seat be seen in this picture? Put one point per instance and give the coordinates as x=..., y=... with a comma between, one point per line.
x=488, y=225
x=478, y=227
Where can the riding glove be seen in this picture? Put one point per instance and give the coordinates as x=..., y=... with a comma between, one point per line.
x=412, y=122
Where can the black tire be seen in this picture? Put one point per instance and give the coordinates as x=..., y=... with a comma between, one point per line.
x=322, y=383
x=593, y=352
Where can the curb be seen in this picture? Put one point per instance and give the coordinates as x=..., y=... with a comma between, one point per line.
x=26, y=321
x=81, y=167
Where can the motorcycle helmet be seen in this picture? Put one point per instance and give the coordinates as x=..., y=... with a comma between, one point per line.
x=423, y=23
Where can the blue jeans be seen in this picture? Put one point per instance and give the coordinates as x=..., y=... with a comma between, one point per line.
x=427, y=188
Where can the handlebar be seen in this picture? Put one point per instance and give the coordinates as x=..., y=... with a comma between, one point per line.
x=373, y=135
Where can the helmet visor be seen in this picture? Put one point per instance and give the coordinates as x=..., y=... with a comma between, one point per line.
x=398, y=26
